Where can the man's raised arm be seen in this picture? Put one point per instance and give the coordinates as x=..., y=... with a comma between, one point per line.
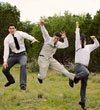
x=95, y=45
x=77, y=37
x=44, y=31
x=65, y=44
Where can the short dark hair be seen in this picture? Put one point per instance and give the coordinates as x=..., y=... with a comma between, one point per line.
x=83, y=39
x=58, y=34
x=11, y=24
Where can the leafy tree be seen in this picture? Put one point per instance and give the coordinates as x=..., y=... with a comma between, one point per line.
x=88, y=25
x=95, y=29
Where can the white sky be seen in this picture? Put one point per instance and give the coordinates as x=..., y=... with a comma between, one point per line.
x=32, y=10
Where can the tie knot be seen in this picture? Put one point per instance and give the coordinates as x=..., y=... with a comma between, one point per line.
x=13, y=35
x=55, y=44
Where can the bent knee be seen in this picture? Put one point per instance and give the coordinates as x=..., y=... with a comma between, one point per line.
x=87, y=74
x=5, y=70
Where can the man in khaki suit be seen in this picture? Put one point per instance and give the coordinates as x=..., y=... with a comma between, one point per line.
x=51, y=44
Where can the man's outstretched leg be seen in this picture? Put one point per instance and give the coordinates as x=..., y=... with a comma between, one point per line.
x=59, y=67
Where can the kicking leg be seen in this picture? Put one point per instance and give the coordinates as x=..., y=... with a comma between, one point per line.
x=59, y=67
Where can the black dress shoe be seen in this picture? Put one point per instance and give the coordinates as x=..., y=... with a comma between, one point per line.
x=82, y=105
x=9, y=83
x=71, y=83
x=23, y=87
x=76, y=80
x=40, y=81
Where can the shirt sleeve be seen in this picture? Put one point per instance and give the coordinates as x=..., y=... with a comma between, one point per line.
x=27, y=36
x=94, y=46
x=63, y=44
x=77, y=39
x=45, y=34
x=6, y=50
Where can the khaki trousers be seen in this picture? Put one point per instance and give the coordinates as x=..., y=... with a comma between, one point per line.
x=44, y=64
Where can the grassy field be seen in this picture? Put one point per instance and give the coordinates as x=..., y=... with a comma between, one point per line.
x=55, y=93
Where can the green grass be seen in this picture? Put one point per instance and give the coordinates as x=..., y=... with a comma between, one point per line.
x=55, y=92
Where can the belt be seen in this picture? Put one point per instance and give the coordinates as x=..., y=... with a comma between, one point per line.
x=18, y=53
x=82, y=64
x=41, y=55
x=44, y=56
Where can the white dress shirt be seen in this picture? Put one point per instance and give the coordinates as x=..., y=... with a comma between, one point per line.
x=9, y=43
x=82, y=55
x=48, y=49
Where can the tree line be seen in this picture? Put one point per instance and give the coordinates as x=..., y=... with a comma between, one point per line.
x=89, y=26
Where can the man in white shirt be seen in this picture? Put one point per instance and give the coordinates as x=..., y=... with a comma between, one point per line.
x=15, y=41
x=82, y=57
x=51, y=44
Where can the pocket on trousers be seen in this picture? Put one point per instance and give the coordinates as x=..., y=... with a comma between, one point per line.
x=42, y=61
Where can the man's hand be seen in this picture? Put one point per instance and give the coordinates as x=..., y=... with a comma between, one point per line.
x=42, y=22
x=5, y=65
x=92, y=37
x=35, y=41
x=63, y=35
x=77, y=24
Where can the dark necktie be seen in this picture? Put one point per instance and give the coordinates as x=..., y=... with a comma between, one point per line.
x=16, y=42
x=55, y=44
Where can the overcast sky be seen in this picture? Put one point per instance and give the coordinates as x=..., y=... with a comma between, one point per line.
x=32, y=10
